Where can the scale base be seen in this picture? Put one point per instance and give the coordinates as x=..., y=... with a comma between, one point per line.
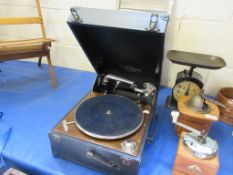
x=171, y=103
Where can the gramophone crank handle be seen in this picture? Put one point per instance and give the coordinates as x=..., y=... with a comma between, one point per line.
x=175, y=115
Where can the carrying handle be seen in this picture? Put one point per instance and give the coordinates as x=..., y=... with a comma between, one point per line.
x=150, y=138
x=101, y=159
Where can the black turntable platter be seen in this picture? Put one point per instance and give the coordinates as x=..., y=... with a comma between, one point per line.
x=108, y=117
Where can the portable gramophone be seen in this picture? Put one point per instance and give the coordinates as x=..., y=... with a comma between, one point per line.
x=189, y=82
x=107, y=130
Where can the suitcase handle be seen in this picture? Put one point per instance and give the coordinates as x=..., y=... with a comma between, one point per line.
x=101, y=159
x=150, y=138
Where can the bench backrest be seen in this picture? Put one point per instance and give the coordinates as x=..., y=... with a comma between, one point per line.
x=27, y=20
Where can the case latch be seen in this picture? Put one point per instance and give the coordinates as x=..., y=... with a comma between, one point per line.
x=75, y=15
x=153, y=23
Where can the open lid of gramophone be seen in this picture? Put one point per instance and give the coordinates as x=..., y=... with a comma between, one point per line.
x=127, y=44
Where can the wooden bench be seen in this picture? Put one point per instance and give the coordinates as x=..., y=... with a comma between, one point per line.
x=28, y=48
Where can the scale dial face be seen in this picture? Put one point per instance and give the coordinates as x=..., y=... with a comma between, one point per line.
x=185, y=88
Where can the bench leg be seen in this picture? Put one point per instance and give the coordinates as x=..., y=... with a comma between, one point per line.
x=39, y=61
x=54, y=84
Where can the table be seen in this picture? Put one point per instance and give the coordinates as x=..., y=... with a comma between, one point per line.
x=31, y=108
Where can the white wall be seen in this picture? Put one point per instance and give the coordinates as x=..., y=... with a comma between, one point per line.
x=65, y=51
x=204, y=26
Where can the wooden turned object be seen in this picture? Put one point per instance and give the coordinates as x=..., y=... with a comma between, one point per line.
x=194, y=119
x=225, y=96
x=175, y=172
x=186, y=163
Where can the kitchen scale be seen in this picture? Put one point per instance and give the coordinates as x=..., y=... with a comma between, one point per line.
x=189, y=82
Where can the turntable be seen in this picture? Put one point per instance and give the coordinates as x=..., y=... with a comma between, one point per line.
x=107, y=130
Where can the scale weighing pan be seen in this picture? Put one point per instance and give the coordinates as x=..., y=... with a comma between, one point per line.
x=196, y=59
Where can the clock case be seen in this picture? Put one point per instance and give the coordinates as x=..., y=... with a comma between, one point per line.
x=193, y=60
x=184, y=76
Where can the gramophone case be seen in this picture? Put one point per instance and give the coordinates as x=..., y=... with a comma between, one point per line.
x=94, y=155
x=121, y=43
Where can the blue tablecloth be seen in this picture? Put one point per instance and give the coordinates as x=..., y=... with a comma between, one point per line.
x=32, y=108
x=5, y=131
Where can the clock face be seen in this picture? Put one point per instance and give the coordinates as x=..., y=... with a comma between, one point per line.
x=185, y=88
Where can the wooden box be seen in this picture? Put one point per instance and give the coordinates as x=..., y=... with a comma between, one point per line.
x=196, y=120
x=225, y=96
x=186, y=163
x=175, y=172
